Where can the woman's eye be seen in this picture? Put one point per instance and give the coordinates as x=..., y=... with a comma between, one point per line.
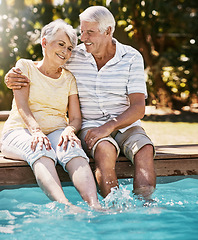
x=70, y=49
x=61, y=44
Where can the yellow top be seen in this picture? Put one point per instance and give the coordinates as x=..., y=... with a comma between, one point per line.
x=48, y=99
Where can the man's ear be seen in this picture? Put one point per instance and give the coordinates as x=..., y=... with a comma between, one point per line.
x=108, y=31
x=44, y=41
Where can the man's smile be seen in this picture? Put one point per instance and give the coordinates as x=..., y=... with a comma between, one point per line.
x=87, y=43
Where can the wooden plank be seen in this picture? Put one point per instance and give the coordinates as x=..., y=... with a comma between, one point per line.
x=16, y=176
x=6, y=162
x=4, y=115
x=19, y=175
x=177, y=167
x=169, y=161
x=162, y=152
x=176, y=151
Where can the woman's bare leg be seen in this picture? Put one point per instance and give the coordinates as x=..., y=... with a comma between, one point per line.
x=48, y=180
x=83, y=180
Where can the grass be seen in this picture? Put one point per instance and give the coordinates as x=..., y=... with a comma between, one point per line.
x=163, y=133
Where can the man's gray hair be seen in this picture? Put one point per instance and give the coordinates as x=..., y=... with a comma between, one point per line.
x=49, y=31
x=101, y=15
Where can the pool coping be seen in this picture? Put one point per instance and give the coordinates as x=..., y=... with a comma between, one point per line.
x=170, y=160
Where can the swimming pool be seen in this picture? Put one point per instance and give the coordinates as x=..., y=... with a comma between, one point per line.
x=26, y=213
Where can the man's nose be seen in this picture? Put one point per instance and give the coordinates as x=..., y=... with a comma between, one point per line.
x=83, y=36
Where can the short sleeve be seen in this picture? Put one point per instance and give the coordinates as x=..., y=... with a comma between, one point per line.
x=73, y=86
x=136, y=83
x=23, y=66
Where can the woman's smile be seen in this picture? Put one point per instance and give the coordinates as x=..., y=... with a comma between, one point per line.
x=60, y=56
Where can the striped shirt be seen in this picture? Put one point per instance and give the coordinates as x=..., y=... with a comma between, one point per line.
x=104, y=94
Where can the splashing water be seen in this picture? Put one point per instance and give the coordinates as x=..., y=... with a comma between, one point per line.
x=26, y=213
x=119, y=199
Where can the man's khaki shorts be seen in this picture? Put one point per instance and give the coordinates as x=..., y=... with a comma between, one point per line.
x=128, y=143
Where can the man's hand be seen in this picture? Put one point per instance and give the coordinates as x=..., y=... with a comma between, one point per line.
x=94, y=134
x=15, y=80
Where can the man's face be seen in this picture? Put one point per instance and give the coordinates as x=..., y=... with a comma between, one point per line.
x=92, y=37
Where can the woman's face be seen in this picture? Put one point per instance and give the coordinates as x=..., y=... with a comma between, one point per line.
x=59, y=49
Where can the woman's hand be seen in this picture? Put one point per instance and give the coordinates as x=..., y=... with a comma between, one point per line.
x=68, y=135
x=40, y=139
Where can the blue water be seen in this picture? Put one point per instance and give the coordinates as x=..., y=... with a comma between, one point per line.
x=26, y=213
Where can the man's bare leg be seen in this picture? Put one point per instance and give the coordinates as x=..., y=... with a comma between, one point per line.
x=144, y=175
x=105, y=159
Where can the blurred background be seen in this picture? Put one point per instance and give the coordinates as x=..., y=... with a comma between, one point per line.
x=164, y=31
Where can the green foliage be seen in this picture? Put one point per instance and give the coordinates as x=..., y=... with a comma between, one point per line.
x=14, y=42
x=164, y=31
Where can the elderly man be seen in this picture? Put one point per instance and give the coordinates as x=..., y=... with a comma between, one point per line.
x=112, y=92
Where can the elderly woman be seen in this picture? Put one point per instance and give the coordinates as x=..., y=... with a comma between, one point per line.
x=38, y=130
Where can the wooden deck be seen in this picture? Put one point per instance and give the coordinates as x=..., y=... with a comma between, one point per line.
x=174, y=160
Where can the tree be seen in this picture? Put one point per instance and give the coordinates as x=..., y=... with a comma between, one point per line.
x=19, y=34
x=164, y=31
x=166, y=34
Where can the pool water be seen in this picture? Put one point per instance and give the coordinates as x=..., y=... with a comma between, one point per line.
x=26, y=213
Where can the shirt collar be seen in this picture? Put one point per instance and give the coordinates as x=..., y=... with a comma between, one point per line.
x=120, y=52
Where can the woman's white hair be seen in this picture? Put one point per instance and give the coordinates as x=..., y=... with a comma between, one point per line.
x=49, y=31
x=101, y=15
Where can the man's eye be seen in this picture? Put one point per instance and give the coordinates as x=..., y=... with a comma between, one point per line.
x=87, y=32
